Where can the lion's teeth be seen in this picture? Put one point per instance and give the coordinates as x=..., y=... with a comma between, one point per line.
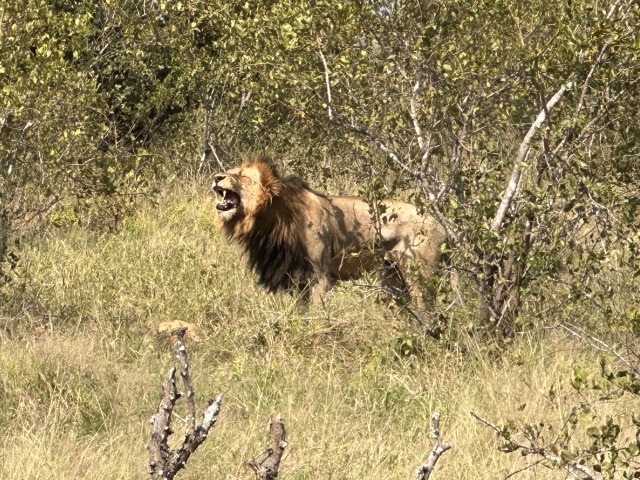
x=224, y=193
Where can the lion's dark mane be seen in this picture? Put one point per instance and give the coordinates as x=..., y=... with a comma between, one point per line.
x=276, y=244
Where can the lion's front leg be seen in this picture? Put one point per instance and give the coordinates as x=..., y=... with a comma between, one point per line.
x=392, y=279
x=319, y=287
x=409, y=281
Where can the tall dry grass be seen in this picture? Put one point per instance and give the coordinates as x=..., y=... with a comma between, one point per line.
x=354, y=381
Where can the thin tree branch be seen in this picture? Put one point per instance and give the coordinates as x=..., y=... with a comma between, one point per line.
x=534, y=449
x=524, y=469
x=598, y=344
x=215, y=155
x=206, y=133
x=327, y=83
x=52, y=201
x=516, y=174
x=333, y=118
x=413, y=113
x=381, y=145
x=589, y=75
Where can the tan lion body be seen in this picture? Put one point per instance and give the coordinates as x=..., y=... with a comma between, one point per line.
x=296, y=237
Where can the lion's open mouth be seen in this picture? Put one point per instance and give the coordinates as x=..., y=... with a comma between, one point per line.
x=229, y=199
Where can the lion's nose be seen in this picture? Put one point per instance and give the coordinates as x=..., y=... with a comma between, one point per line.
x=219, y=178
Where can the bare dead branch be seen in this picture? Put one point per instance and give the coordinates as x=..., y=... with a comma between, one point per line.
x=190, y=420
x=516, y=174
x=164, y=462
x=424, y=471
x=266, y=464
x=534, y=449
x=159, y=451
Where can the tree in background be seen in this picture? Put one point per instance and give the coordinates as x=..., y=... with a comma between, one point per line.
x=515, y=124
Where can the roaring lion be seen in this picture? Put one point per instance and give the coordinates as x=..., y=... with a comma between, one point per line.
x=296, y=237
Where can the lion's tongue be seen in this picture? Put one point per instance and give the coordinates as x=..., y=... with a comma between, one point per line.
x=229, y=200
x=232, y=198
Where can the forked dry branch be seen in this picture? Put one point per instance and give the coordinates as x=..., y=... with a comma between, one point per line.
x=424, y=471
x=265, y=465
x=165, y=462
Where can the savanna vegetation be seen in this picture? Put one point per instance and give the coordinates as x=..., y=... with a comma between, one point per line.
x=514, y=123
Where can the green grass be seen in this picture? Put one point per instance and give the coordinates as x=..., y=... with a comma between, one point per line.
x=355, y=382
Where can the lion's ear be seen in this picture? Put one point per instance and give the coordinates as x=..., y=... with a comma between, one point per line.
x=264, y=164
x=261, y=161
x=270, y=179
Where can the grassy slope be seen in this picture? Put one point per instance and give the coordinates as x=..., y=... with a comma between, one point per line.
x=81, y=373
